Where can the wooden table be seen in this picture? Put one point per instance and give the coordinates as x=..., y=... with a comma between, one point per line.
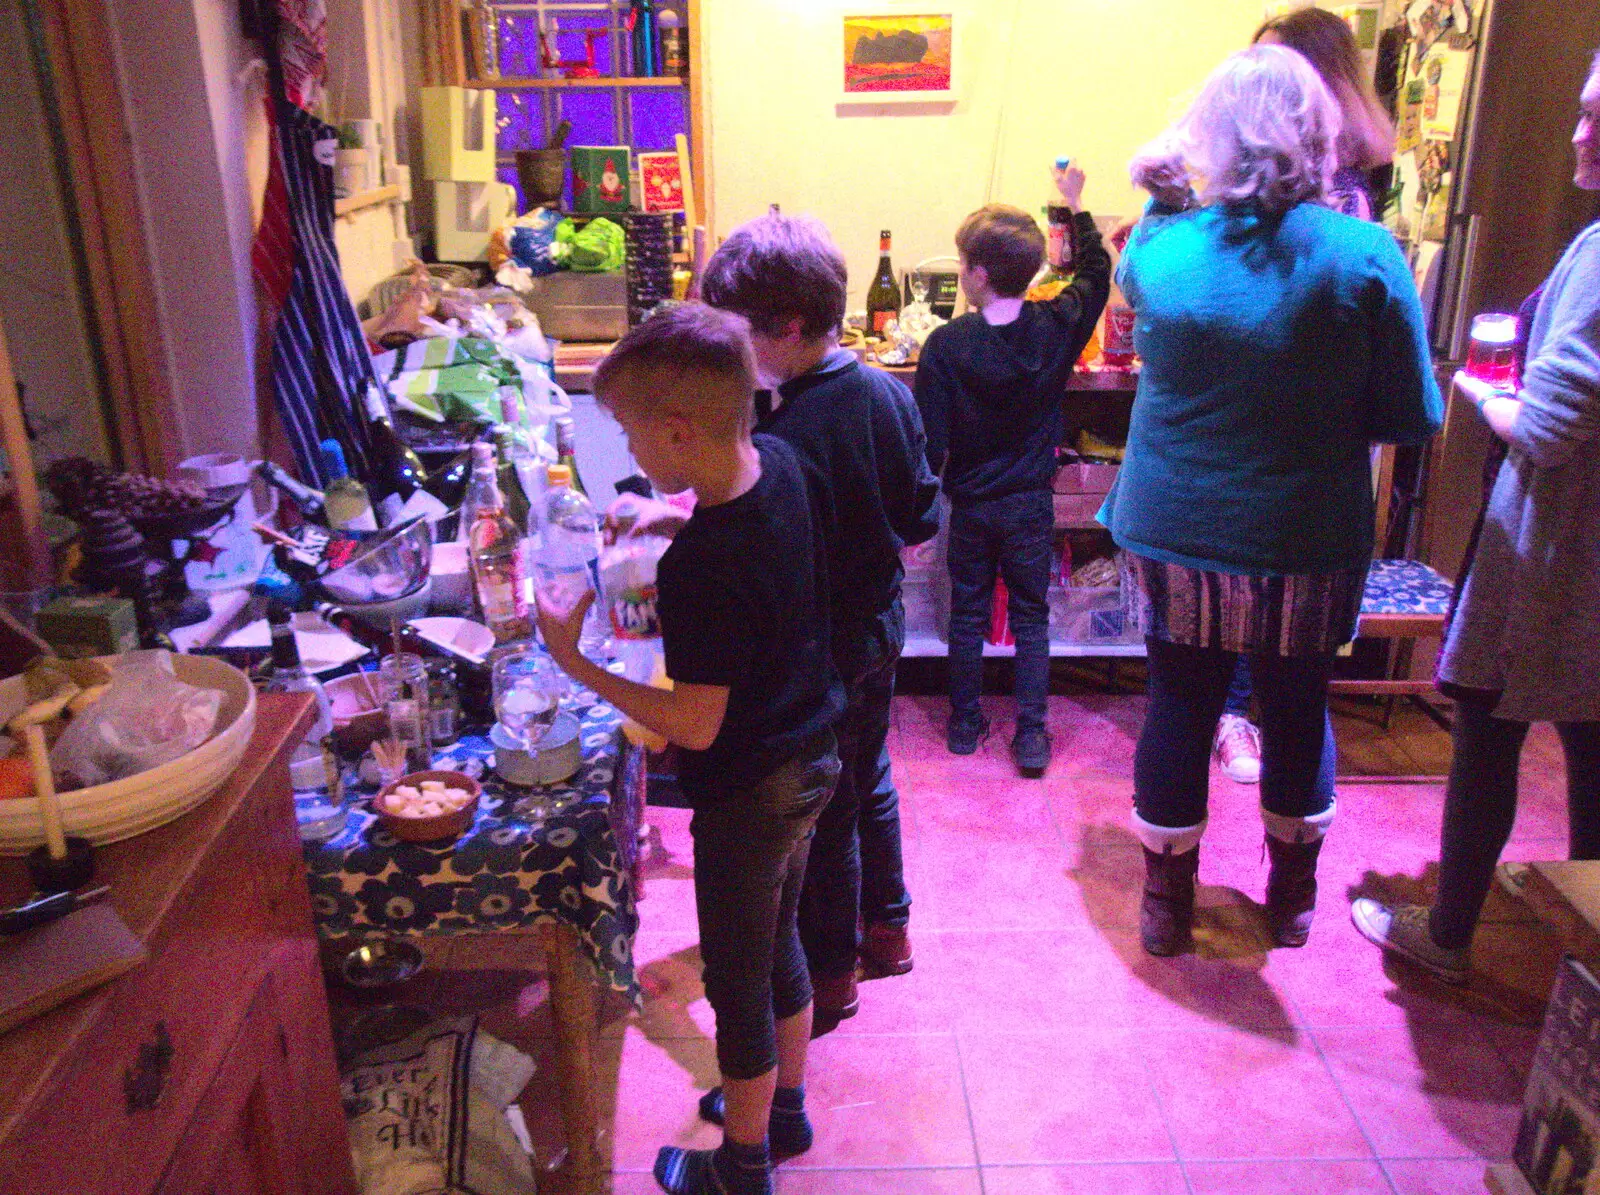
x=210, y=1066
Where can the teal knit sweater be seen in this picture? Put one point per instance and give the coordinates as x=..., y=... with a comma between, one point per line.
x=1276, y=350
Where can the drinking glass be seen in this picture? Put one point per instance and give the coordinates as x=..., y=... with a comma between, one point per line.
x=919, y=286
x=1492, y=351
x=528, y=688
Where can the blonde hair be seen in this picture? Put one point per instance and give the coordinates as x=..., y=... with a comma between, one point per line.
x=1264, y=129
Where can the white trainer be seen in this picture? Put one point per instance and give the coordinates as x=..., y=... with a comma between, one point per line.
x=1403, y=930
x=1238, y=749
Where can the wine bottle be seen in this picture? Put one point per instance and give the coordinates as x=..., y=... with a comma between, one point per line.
x=1060, y=240
x=511, y=492
x=495, y=547
x=289, y=674
x=567, y=450
x=449, y=481
x=883, y=296
x=397, y=471
x=348, y=505
x=311, y=502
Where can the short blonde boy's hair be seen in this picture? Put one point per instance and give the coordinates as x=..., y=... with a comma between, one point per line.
x=690, y=360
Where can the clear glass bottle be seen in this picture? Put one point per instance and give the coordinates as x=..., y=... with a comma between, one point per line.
x=313, y=767
x=496, y=548
x=444, y=703
x=403, y=685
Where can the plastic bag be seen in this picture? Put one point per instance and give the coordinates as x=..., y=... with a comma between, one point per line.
x=530, y=240
x=599, y=247
x=147, y=717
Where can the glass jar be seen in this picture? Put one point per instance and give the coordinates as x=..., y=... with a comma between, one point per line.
x=444, y=703
x=403, y=685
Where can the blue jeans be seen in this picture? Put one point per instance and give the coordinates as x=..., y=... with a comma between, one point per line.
x=1480, y=804
x=1188, y=689
x=1239, y=690
x=750, y=848
x=855, y=871
x=1011, y=536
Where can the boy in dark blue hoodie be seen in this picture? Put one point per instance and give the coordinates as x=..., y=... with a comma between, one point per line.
x=990, y=385
x=861, y=445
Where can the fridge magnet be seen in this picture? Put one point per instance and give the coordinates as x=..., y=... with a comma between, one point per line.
x=661, y=177
x=891, y=57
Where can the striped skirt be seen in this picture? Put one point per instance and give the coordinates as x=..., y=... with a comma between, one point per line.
x=1309, y=615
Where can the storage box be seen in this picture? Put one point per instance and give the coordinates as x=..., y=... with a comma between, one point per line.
x=464, y=216
x=1090, y=617
x=1078, y=510
x=926, y=597
x=80, y=627
x=1085, y=477
x=458, y=135
x=600, y=176
x=574, y=306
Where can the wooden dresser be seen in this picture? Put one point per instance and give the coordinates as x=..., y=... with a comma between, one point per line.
x=209, y=1069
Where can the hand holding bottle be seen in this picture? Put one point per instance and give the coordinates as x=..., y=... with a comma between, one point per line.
x=561, y=623
x=1069, y=181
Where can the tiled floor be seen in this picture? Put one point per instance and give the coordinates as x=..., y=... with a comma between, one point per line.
x=1036, y=1050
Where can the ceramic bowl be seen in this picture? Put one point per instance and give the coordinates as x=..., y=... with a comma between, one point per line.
x=444, y=826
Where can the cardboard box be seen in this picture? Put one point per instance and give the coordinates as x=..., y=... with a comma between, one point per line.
x=81, y=627
x=577, y=306
x=458, y=135
x=1077, y=510
x=600, y=178
x=464, y=216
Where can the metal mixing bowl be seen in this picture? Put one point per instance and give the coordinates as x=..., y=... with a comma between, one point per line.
x=392, y=565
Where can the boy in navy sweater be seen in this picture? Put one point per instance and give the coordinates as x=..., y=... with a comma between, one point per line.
x=860, y=440
x=990, y=385
x=742, y=595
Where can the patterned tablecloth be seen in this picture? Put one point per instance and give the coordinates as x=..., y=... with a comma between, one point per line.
x=505, y=872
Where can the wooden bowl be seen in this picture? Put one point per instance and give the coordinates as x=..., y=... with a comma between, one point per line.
x=440, y=828
x=358, y=715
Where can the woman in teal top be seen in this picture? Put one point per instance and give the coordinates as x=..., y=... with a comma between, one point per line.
x=1280, y=339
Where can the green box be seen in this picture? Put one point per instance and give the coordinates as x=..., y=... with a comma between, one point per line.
x=600, y=178
x=80, y=627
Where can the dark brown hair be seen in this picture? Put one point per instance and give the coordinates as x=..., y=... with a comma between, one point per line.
x=663, y=365
x=1325, y=41
x=776, y=269
x=1006, y=242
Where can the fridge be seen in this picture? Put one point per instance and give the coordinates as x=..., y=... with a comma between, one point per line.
x=1485, y=107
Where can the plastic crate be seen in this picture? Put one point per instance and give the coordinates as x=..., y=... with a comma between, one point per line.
x=1092, y=617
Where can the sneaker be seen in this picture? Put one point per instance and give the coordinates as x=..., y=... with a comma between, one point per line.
x=834, y=999
x=885, y=950
x=1403, y=930
x=1031, y=750
x=966, y=733
x=1238, y=749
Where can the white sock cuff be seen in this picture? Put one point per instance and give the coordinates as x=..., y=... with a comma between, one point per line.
x=1299, y=829
x=1165, y=840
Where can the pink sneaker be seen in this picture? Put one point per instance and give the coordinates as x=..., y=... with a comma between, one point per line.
x=1238, y=749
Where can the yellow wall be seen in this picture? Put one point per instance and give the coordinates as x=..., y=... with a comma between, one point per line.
x=1091, y=78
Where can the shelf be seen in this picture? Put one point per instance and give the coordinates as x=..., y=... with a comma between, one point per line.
x=535, y=84
x=926, y=646
x=366, y=199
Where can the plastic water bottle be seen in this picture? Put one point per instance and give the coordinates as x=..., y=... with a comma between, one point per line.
x=569, y=554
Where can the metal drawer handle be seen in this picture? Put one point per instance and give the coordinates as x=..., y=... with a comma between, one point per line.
x=143, y=1082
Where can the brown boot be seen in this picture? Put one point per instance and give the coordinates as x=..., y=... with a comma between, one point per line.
x=834, y=999
x=1166, y=915
x=1291, y=889
x=885, y=951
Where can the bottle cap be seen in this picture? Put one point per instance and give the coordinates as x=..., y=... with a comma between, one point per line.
x=1063, y=162
x=333, y=460
x=558, y=475
x=483, y=455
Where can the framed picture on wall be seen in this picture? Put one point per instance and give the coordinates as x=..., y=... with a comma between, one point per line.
x=896, y=53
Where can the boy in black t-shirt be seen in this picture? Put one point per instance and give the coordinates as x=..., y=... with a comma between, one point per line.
x=990, y=385
x=742, y=596
x=859, y=438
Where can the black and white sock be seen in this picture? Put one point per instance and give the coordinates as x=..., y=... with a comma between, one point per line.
x=788, y=1128
x=730, y=1169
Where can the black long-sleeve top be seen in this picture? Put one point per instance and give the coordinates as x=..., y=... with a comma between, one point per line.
x=991, y=396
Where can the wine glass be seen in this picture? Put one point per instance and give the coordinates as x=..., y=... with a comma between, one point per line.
x=919, y=286
x=528, y=688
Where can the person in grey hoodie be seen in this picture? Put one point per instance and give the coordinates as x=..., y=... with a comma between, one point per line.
x=1524, y=643
x=990, y=386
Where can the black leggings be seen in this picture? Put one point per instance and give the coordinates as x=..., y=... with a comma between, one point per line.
x=1188, y=689
x=1480, y=804
x=750, y=848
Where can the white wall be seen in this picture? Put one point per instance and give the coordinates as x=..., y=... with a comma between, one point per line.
x=1091, y=78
